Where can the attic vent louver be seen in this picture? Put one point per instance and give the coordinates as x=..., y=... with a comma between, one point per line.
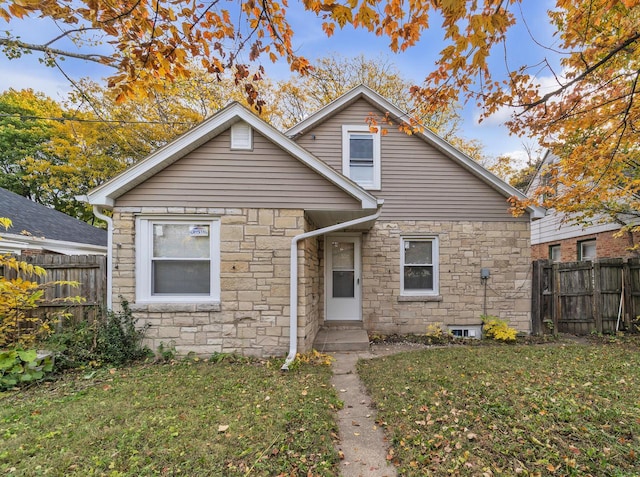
x=241, y=137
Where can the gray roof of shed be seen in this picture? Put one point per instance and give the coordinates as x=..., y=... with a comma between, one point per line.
x=41, y=221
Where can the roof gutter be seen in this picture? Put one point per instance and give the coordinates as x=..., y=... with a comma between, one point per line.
x=98, y=213
x=293, y=285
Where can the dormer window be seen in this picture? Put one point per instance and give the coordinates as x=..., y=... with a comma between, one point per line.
x=361, y=155
x=241, y=137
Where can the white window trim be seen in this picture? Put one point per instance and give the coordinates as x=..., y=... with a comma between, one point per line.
x=436, y=265
x=241, y=137
x=581, y=244
x=144, y=249
x=362, y=128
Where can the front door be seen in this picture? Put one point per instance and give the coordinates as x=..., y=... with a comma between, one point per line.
x=342, y=289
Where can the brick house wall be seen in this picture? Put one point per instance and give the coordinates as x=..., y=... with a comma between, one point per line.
x=253, y=316
x=608, y=245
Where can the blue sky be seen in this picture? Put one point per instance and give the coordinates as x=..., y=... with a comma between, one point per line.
x=310, y=41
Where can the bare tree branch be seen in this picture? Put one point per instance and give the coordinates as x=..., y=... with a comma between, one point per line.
x=584, y=74
x=102, y=59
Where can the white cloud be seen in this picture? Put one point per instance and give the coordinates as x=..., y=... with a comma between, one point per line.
x=39, y=78
x=496, y=119
x=519, y=157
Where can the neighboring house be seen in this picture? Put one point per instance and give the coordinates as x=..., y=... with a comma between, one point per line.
x=387, y=232
x=556, y=237
x=39, y=229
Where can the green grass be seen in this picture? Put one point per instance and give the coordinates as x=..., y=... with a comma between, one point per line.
x=564, y=410
x=172, y=420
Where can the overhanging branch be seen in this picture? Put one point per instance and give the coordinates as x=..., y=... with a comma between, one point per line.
x=584, y=74
x=102, y=59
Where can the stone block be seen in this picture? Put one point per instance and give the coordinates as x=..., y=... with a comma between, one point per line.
x=247, y=332
x=286, y=222
x=251, y=296
x=257, y=230
x=233, y=219
x=232, y=233
x=265, y=217
x=272, y=243
x=234, y=267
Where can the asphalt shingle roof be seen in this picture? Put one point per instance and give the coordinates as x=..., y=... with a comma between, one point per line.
x=41, y=221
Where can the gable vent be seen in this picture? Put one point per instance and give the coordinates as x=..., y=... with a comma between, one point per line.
x=241, y=137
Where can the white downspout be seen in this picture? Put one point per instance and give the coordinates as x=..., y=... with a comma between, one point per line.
x=109, y=221
x=293, y=274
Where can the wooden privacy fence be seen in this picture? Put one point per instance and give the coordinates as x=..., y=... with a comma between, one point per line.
x=584, y=297
x=89, y=270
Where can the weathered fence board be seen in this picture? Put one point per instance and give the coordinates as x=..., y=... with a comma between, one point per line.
x=585, y=297
x=90, y=271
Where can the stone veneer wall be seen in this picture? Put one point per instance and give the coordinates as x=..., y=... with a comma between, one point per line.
x=309, y=291
x=253, y=316
x=465, y=248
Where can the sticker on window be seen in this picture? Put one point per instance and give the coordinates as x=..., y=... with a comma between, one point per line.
x=198, y=231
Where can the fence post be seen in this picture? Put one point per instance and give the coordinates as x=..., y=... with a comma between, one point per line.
x=556, y=310
x=536, y=299
x=596, y=304
x=628, y=296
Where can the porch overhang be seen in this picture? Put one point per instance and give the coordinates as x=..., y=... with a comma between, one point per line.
x=326, y=218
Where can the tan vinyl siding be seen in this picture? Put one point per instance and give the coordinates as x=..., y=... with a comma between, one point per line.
x=216, y=176
x=418, y=181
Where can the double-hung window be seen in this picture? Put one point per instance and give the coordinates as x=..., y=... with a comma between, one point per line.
x=587, y=250
x=419, y=266
x=178, y=259
x=361, y=155
x=555, y=253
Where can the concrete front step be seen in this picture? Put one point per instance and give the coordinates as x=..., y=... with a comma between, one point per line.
x=343, y=325
x=332, y=339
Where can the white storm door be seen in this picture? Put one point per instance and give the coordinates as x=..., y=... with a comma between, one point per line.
x=342, y=289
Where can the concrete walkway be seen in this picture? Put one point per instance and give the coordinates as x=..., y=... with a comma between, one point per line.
x=361, y=441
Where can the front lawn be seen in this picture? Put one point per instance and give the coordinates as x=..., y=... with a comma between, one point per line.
x=564, y=410
x=193, y=419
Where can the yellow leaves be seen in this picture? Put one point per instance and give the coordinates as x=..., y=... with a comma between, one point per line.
x=5, y=15
x=342, y=15
x=328, y=28
x=366, y=17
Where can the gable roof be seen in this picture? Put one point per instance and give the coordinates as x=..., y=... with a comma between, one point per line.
x=106, y=194
x=363, y=92
x=548, y=158
x=30, y=219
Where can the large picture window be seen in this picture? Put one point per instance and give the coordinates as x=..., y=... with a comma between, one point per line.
x=419, y=266
x=178, y=259
x=361, y=156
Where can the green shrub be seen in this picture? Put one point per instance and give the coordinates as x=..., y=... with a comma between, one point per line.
x=113, y=339
x=119, y=340
x=497, y=329
x=166, y=352
x=18, y=366
x=75, y=345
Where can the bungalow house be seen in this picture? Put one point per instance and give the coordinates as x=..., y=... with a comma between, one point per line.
x=559, y=238
x=38, y=229
x=236, y=237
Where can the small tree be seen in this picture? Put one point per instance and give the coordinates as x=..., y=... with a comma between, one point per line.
x=18, y=300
